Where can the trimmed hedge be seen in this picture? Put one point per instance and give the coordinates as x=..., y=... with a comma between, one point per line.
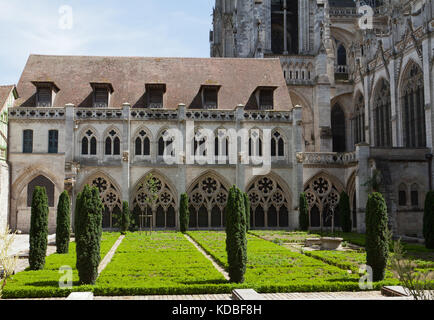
x=184, y=214
x=377, y=248
x=38, y=229
x=88, y=231
x=345, y=212
x=428, y=220
x=236, y=241
x=124, y=222
x=63, y=223
x=303, y=216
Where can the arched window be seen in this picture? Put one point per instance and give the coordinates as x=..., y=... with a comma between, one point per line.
x=143, y=144
x=162, y=210
x=221, y=145
x=402, y=194
x=359, y=120
x=323, y=198
x=255, y=143
x=342, y=56
x=88, y=143
x=41, y=181
x=200, y=143
x=208, y=198
x=269, y=203
x=277, y=145
x=414, y=195
x=112, y=144
x=167, y=145
x=413, y=111
x=338, y=129
x=382, y=113
x=111, y=200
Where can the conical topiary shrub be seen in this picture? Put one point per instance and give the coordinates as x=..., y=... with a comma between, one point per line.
x=345, y=212
x=63, y=225
x=377, y=248
x=184, y=214
x=303, y=213
x=38, y=229
x=428, y=220
x=236, y=241
x=88, y=232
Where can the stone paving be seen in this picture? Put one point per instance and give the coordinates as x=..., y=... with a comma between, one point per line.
x=108, y=257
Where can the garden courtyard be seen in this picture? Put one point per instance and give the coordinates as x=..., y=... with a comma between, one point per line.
x=195, y=263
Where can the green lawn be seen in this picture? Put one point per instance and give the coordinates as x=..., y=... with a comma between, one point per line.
x=163, y=263
x=45, y=283
x=273, y=268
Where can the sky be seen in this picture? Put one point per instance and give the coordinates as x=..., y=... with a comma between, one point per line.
x=150, y=28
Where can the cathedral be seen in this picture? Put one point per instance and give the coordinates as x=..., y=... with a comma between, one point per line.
x=328, y=95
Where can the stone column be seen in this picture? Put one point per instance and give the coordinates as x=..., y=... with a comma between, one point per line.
x=322, y=109
x=428, y=83
x=303, y=26
x=297, y=176
x=240, y=176
x=395, y=114
x=181, y=177
x=126, y=158
x=362, y=175
x=69, y=133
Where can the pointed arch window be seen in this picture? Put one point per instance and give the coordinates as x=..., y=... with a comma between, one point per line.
x=277, y=145
x=413, y=111
x=41, y=181
x=89, y=144
x=165, y=146
x=382, y=114
x=338, y=128
x=359, y=120
x=221, y=145
x=255, y=143
x=112, y=144
x=143, y=144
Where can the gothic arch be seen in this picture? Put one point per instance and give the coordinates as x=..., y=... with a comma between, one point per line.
x=111, y=196
x=165, y=207
x=323, y=194
x=351, y=191
x=208, y=195
x=412, y=105
x=381, y=111
x=270, y=202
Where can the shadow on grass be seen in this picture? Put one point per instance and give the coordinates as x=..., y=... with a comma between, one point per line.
x=206, y=282
x=48, y=284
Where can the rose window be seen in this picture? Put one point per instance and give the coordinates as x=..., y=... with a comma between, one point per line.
x=265, y=185
x=209, y=185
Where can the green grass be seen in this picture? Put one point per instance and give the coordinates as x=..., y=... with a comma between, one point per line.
x=273, y=268
x=45, y=283
x=163, y=263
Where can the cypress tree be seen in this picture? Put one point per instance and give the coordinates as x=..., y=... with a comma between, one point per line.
x=236, y=241
x=125, y=218
x=88, y=231
x=303, y=213
x=377, y=248
x=63, y=223
x=428, y=220
x=247, y=206
x=345, y=212
x=184, y=214
x=38, y=229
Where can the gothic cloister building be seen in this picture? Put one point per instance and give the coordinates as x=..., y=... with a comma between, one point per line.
x=365, y=80
x=336, y=98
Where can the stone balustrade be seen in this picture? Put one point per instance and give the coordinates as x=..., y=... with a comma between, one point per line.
x=37, y=113
x=84, y=114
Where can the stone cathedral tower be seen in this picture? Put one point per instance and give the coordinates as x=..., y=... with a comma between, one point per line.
x=297, y=32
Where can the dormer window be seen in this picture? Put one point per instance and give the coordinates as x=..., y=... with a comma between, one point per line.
x=266, y=99
x=154, y=94
x=101, y=94
x=45, y=93
x=210, y=97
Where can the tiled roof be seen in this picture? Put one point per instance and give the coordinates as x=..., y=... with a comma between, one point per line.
x=183, y=77
x=4, y=94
